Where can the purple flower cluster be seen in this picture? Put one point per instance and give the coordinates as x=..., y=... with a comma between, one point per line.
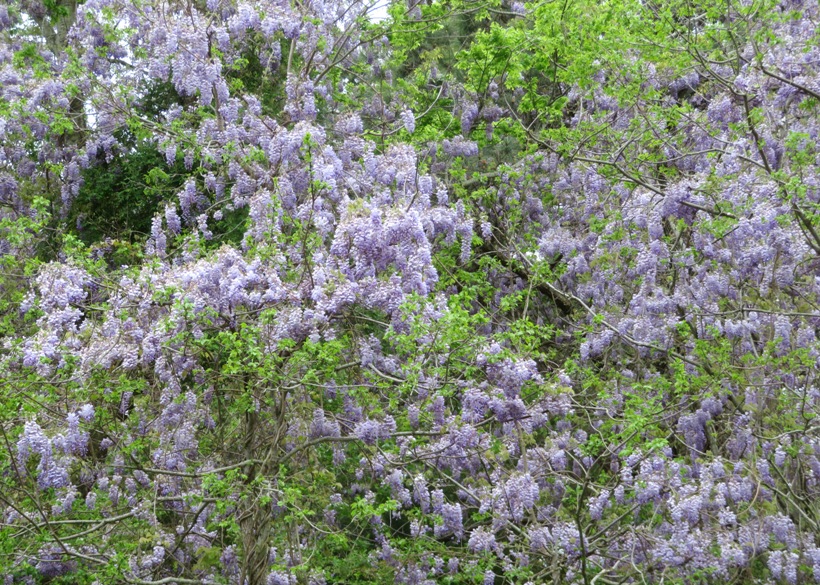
x=458, y=146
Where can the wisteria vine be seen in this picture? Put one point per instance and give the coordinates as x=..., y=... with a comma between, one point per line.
x=539, y=307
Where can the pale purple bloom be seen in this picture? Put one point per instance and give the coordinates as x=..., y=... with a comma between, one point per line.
x=481, y=540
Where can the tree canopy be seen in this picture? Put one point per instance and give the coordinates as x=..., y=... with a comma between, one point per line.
x=476, y=291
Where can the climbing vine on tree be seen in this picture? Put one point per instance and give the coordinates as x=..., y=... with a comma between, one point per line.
x=464, y=292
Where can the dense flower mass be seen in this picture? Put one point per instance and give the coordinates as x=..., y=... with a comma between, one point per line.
x=307, y=292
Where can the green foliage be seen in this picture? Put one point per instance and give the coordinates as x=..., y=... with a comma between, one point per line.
x=119, y=198
x=29, y=58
